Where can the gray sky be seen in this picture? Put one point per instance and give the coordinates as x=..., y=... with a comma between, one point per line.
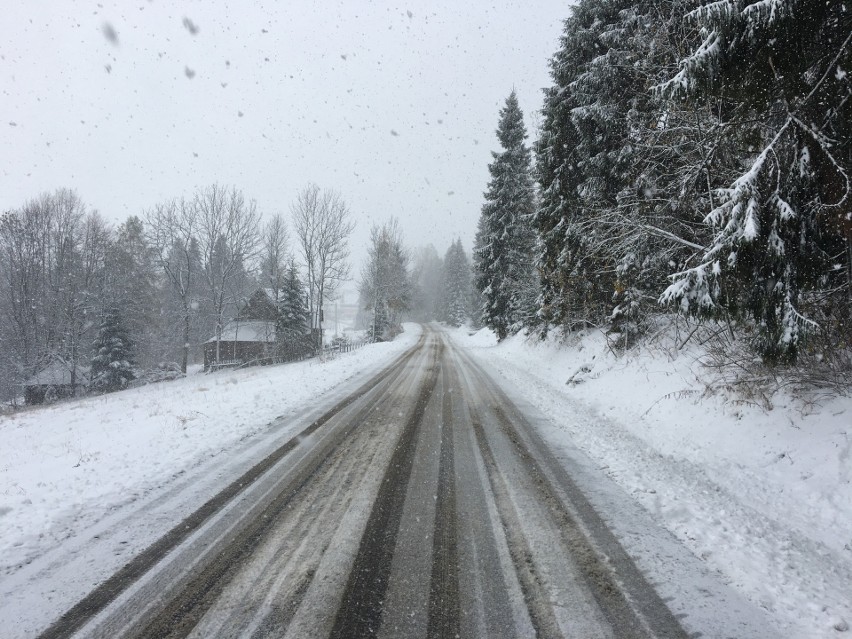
x=392, y=104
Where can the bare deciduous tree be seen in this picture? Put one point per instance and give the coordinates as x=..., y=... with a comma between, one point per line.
x=385, y=285
x=51, y=253
x=170, y=230
x=228, y=238
x=322, y=224
x=273, y=265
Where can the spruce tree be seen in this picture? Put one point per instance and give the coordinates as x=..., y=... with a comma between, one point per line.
x=112, y=354
x=292, y=321
x=505, y=240
x=130, y=283
x=572, y=293
x=781, y=71
x=589, y=146
x=456, y=296
x=558, y=175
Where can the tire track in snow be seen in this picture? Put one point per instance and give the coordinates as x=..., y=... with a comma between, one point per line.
x=360, y=612
x=444, y=587
x=626, y=599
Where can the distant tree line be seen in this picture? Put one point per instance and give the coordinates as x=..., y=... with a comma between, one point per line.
x=122, y=300
x=397, y=283
x=385, y=284
x=694, y=157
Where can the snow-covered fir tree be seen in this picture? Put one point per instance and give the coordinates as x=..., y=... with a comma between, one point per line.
x=292, y=324
x=130, y=283
x=582, y=156
x=503, y=255
x=112, y=354
x=456, y=296
x=385, y=287
x=782, y=227
x=586, y=159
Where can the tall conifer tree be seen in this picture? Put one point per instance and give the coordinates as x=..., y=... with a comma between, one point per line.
x=113, y=354
x=781, y=225
x=455, y=302
x=292, y=322
x=505, y=241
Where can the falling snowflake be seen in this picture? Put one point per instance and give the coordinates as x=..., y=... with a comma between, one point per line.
x=190, y=25
x=110, y=33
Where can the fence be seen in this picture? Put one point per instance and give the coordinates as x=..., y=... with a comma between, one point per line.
x=284, y=353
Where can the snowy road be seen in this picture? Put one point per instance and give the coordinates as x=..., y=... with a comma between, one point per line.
x=423, y=505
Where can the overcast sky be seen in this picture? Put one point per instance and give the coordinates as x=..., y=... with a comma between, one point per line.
x=392, y=104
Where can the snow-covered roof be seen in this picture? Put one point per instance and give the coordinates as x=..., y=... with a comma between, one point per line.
x=58, y=373
x=247, y=331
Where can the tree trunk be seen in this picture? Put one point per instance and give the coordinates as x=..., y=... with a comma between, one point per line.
x=849, y=260
x=185, y=342
x=218, y=337
x=319, y=318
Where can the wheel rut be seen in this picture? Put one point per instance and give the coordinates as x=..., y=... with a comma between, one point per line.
x=444, y=586
x=630, y=605
x=360, y=612
x=183, y=612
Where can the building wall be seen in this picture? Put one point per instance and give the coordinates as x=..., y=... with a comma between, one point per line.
x=236, y=352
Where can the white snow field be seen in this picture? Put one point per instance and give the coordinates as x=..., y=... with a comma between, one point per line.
x=763, y=497
x=86, y=484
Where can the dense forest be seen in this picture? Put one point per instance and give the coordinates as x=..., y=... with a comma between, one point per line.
x=693, y=161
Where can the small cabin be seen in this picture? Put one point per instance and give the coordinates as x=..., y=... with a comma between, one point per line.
x=243, y=341
x=54, y=381
x=250, y=338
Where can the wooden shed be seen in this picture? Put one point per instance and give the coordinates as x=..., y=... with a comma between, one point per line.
x=243, y=341
x=53, y=381
x=250, y=338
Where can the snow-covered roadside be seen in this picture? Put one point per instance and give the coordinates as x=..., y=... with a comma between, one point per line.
x=763, y=498
x=68, y=471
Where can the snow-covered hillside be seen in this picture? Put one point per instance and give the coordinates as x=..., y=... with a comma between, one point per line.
x=763, y=497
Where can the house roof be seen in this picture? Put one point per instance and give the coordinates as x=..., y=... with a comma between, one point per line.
x=58, y=373
x=259, y=306
x=247, y=331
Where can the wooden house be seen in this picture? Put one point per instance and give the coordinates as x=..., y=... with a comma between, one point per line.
x=250, y=338
x=243, y=341
x=54, y=381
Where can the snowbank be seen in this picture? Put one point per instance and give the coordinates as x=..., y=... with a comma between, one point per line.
x=764, y=498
